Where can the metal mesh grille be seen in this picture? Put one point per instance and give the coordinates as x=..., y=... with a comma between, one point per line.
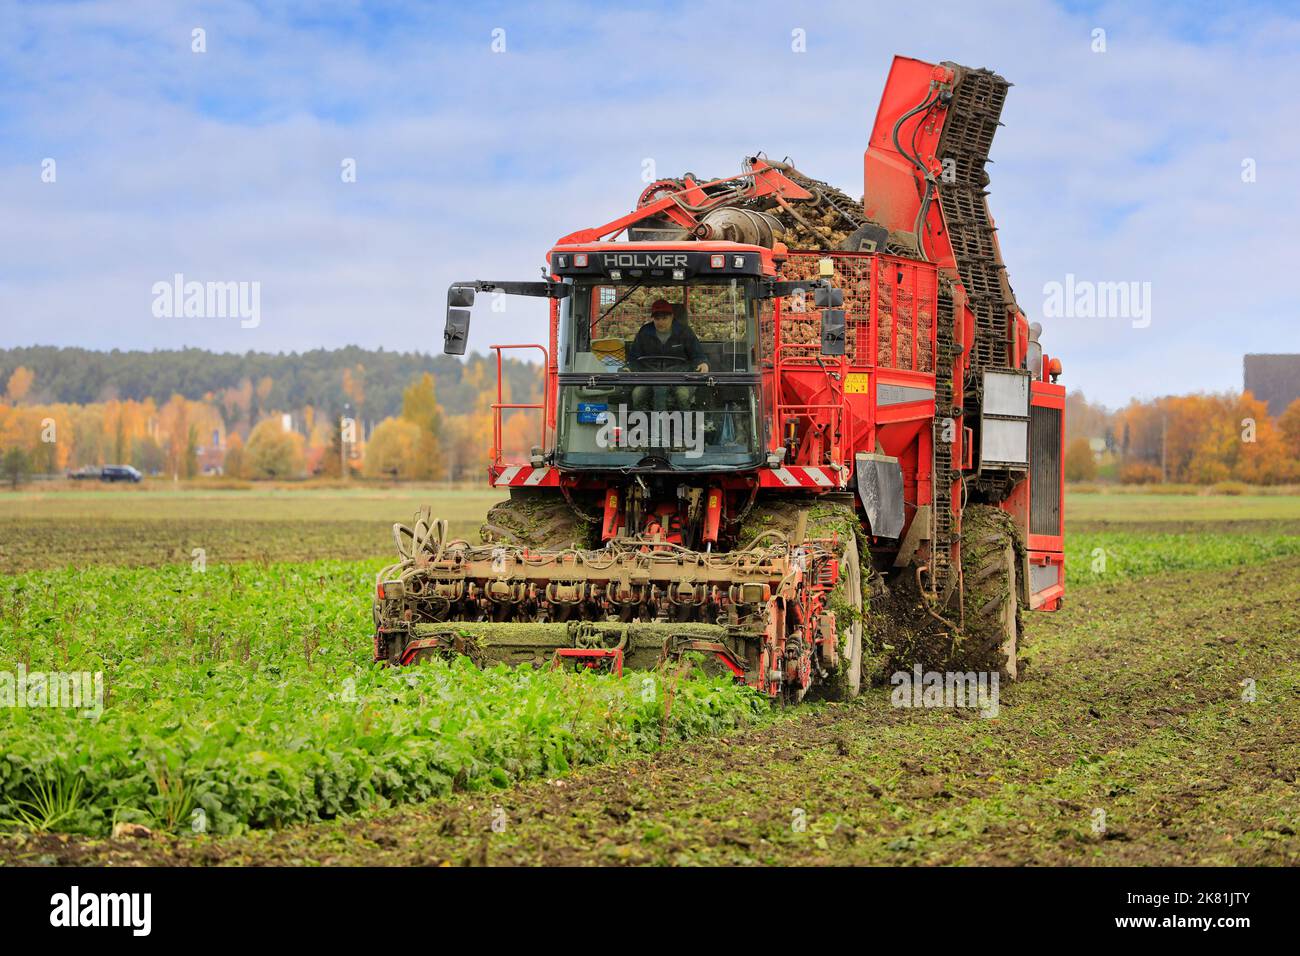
x=906, y=294
x=906, y=316
x=853, y=275
x=1044, y=470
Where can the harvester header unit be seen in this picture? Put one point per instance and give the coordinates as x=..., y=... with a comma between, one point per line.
x=800, y=436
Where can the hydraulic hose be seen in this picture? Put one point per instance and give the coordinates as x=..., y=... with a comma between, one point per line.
x=918, y=229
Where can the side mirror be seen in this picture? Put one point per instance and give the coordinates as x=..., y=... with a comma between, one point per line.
x=832, y=331
x=455, y=335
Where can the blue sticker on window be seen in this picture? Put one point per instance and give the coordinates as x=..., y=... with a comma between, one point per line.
x=589, y=413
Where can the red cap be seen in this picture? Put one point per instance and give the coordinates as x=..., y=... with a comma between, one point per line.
x=661, y=305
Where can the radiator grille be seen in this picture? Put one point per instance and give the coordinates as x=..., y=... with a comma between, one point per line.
x=1044, y=470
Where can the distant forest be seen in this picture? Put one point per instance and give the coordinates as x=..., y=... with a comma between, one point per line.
x=296, y=379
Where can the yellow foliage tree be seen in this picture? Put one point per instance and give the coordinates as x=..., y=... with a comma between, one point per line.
x=1080, y=465
x=1205, y=438
x=20, y=383
x=233, y=463
x=1288, y=425
x=273, y=452
x=392, y=451
x=420, y=407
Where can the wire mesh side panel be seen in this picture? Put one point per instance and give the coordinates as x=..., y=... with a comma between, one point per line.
x=887, y=283
x=927, y=309
x=908, y=296
x=801, y=319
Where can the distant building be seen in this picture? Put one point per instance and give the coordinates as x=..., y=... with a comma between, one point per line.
x=210, y=459
x=1273, y=379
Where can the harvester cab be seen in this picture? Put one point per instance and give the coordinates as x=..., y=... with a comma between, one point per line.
x=678, y=393
x=762, y=402
x=658, y=359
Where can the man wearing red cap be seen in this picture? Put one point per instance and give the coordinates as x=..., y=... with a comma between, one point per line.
x=663, y=345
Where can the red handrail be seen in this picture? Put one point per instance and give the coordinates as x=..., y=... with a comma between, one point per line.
x=836, y=407
x=499, y=405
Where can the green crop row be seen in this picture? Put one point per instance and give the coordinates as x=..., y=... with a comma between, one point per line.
x=1093, y=558
x=244, y=697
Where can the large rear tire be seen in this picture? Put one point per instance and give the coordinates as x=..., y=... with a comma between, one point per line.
x=846, y=682
x=539, y=519
x=990, y=565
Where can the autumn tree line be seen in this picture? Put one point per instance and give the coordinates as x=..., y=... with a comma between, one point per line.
x=437, y=425
x=393, y=415
x=1193, y=439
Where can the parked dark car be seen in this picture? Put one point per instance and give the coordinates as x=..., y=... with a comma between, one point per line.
x=120, y=473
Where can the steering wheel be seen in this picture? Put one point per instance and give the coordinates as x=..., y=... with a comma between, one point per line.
x=677, y=362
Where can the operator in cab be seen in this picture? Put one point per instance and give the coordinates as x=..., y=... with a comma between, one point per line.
x=663, y=345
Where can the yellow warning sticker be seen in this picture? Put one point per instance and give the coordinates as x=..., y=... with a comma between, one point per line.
x=857, y=383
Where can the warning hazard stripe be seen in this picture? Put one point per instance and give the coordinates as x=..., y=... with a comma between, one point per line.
x=518, y=476
x=793, y=476
x=798, y=476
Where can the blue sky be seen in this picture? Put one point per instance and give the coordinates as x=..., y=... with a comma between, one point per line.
x=225, y=165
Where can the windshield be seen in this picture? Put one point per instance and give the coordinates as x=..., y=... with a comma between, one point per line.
x=609, y=326
x=659, y=376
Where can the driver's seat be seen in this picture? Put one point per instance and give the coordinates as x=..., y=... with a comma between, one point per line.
x=610, y=349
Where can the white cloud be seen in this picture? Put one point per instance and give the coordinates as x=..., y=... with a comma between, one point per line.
x=225, y=165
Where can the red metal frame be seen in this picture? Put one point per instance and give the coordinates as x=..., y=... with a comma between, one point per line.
x=500, y=405
x=817, y=392
x=829, y=424
x=1048, y=599
x=592, y=657
x=1047, y=395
